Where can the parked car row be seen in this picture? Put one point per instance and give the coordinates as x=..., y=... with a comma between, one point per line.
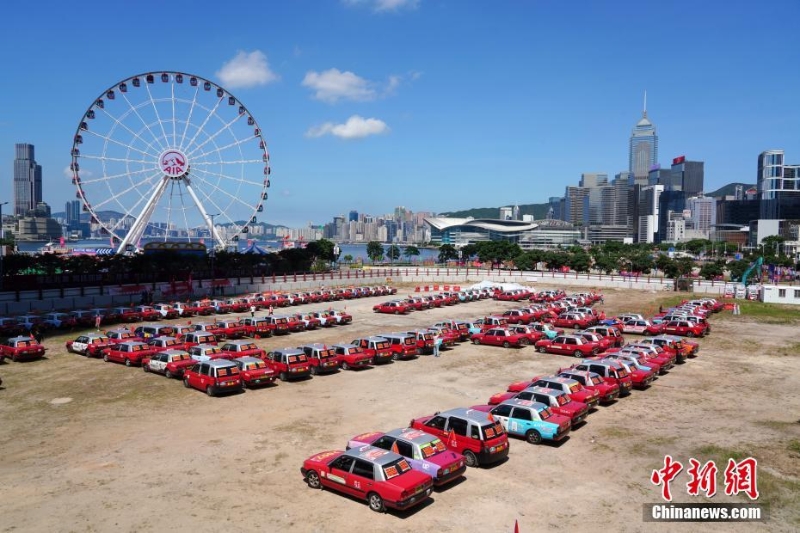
x=85, y=318
x=391, y=470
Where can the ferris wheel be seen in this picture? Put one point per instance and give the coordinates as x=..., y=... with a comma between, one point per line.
x=169, y=156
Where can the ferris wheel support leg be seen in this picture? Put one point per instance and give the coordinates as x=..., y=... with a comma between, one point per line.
x=220, y=242
x=137, y=230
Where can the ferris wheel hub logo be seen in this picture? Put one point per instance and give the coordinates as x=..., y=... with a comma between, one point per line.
x=173, y=163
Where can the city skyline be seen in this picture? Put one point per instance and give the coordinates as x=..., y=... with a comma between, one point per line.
x=369, y=105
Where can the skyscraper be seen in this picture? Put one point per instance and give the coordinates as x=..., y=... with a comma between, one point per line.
x=688, y=176
x=778, y=186
x=643, y=150
x=27, y=180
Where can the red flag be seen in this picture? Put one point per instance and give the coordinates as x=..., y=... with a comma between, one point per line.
x=516, y=526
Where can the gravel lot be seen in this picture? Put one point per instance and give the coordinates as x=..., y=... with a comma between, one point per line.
x=93, y=446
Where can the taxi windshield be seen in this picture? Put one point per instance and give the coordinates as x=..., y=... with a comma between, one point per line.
x=255, y=366
x=409, y=340
x=227, y=371
x=561, y=399
x=382, y=344
x=250, y=346
x=596, y=380
x=396, y=468
x=545, y=413
x=180, y=357
x=574, y=387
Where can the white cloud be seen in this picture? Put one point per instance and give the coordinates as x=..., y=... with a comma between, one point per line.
x=84, y=174
x=356, y=127
x=246, y=70
x=384, y=5
x=333, y=85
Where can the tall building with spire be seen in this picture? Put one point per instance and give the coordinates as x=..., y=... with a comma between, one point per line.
x=27, y=180
x=643, y=151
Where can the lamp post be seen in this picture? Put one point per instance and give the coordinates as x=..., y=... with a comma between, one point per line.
x=2, y=243
x=213, y=253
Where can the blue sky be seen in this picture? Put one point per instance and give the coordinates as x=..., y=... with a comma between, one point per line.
x=432, y=104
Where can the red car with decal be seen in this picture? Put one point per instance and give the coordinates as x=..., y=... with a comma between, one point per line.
x=171, y=363
x=289, y=363
x=573, y=345
x=474, y=434
x=500, y=337
x=129, y=353
x=376, y=347
x=321, y=357
x=21, y=348
x=608, y=391
x=382, y=478
x=351, y=356
x=214, y=377
x=254, y=372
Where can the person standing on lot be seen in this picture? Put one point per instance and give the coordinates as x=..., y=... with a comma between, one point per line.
x=270, y=310
x=252, y=311
x=97, y=319
x=437, y=343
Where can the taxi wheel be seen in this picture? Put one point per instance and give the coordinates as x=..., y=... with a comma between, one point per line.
x=376, y=502
x=577, y=353
x=476, y=341
x=313, y=371
x=397, y=313
x=282, y=375
x=394, y=356
x=524, y=342
x=209, y=391
x=541, y=349
x=345, y=366
x=690, y=334
x=186, y=382
x=167, y=374
x=145, y=368
x=312, y=479
x=506, y=344
x=533, y=436
x=127, y=362
x=470, y=459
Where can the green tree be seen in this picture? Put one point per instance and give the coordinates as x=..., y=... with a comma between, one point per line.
x=685, y=265
x=711, y=270
x=411, y=251
x=695, y=246
x=664, y=262
x=393, y=252
x=447, y=252
x=555, y=259
x=348, y=258
x=737, y=268
x=374, y=250
x=528, y=260
x=640, y=261
x=321, y=250
x=579, y=261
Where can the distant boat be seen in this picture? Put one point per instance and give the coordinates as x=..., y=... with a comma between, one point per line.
x=53, y=248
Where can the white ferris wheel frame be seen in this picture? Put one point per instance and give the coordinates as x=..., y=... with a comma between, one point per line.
x=161, y=175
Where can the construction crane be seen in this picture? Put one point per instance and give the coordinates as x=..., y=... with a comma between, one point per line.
x=755, y=266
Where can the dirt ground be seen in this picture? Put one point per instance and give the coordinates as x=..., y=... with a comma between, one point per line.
x=93, y=446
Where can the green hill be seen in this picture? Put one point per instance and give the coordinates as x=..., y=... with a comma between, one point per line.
x=538, y=211
x=729, y=189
